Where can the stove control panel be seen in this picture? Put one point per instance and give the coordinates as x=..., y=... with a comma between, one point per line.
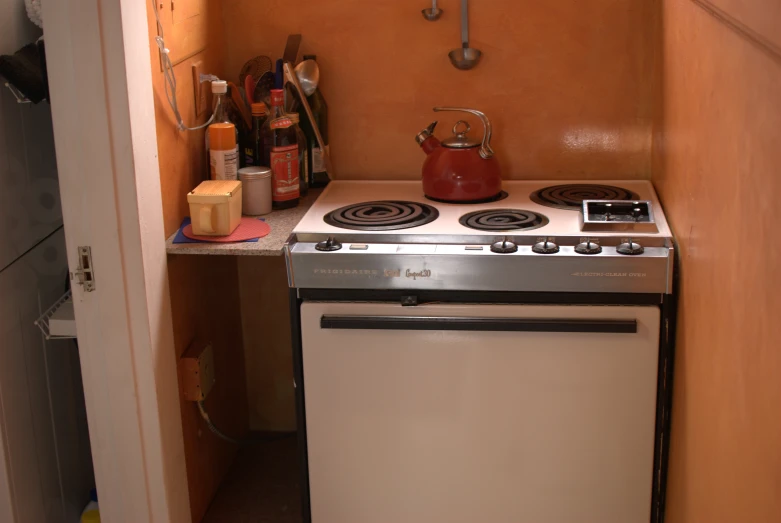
x=504, y=246
x=630, y=247
x=329, y=245
x=617, y=215
x=588, y=246
x=545, y=246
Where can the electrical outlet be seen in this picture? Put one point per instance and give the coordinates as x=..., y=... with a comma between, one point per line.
x=200, y=90
x=196, y=371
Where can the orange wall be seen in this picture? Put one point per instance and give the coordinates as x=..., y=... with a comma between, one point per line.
x=716, y=161
x=205, y=301
x=568, y=85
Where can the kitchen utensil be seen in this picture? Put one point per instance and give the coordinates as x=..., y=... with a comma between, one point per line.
x=465, y=57
x=240, y=105
x=291, y=78
x=279, y=75
x=262, y=92
x=308, y=74
x=256, y=190
x=289, y=56
x=433, y=13
x=460, y=168
x=291, y=48
x=215, y=207
x=254, y=68
x=249, y=89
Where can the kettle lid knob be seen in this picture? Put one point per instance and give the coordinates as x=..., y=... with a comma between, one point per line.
x=460, y=138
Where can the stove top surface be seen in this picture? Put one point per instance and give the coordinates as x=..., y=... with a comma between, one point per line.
x=370, y=209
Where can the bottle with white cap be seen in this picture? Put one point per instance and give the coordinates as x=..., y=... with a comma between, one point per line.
x=220, y=110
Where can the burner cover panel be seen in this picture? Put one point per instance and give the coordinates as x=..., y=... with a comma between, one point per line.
x=382, y=216
x=571, y=196
x=503, y=220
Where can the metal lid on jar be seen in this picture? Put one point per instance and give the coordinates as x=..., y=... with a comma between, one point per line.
x=254, y=172
x=460, y=139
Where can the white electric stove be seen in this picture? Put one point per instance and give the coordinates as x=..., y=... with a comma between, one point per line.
x=535, y=238
x=506, y=361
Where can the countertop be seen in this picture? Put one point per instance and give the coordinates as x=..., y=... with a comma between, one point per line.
x=281, y=223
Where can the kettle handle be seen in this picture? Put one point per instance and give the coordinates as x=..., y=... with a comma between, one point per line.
x=485, y=149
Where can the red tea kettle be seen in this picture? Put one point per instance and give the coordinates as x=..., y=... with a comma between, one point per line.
x=460, y=168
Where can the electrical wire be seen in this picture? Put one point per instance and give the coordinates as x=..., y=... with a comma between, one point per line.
x=170, y=78
x=220, y=434
x=213, y=427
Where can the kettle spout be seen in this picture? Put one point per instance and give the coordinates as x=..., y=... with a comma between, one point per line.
x=426, y=139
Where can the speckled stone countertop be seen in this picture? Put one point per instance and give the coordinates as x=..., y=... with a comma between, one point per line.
x=281, y=223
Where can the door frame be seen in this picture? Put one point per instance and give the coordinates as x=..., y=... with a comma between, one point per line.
x=104, y=126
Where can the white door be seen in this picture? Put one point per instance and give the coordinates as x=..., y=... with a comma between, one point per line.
x=423, y=422
x=98, y=58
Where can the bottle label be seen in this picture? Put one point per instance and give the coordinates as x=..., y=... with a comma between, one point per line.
x=224, y=164
x=284, y=169
x=281, y=123
x=278, y=97
x=318, y=161
x=249, y=156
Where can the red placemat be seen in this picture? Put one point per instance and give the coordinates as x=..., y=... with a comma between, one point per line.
x=248, y=229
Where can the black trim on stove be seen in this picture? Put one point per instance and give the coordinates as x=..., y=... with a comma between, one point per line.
x=415, y=297
x=664, y=397
x=448, y=323
x=298, y=377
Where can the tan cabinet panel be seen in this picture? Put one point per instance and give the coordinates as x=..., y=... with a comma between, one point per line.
x=185, y=27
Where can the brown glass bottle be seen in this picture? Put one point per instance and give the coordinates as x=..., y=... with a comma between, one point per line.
x=253, y=145
x=280, y=153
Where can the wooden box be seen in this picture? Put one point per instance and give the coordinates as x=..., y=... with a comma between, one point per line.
x=215, y=207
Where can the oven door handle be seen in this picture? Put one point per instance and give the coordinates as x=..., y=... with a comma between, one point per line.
x=450, y=323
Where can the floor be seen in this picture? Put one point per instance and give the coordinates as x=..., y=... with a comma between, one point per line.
x=261, y=487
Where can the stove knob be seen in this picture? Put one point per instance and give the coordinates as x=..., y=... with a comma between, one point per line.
x=331, y=244
x=630, y=248
x=545, y=247
x=504, y=246
x=588, y=247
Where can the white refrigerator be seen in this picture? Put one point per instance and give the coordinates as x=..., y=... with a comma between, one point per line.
x=45, y=459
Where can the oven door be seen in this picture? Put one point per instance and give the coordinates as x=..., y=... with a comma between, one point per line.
x=451, y=413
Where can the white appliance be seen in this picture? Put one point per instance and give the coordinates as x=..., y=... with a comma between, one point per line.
x=45, y=460
x=506, y=361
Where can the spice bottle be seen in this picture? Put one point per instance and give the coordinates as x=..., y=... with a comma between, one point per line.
x=280, y=152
